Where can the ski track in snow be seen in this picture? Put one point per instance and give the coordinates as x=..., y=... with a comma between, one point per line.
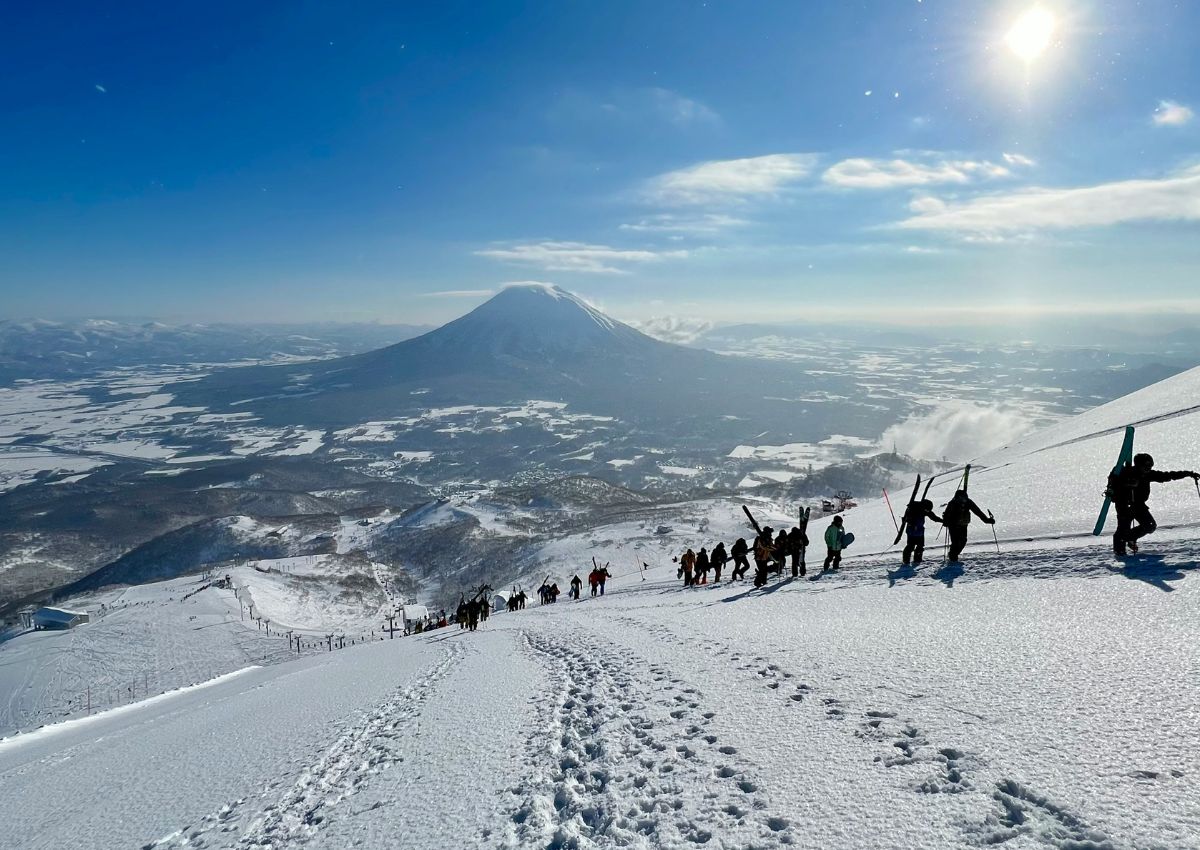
x=299, y=812
x=621, y=762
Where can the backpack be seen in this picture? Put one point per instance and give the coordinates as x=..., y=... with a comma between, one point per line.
x=957, y=513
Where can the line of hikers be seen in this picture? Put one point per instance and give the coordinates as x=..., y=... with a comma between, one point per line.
x=472, y=612
x=1128, y=488
x=549, y=592
x=771, y=552
x=955, y=519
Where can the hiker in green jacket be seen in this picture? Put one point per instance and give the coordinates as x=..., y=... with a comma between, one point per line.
x=834, y=536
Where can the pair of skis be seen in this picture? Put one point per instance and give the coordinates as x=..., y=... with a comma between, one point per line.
x=804, y=514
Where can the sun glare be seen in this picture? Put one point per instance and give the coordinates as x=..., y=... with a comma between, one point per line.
x=1031, y=34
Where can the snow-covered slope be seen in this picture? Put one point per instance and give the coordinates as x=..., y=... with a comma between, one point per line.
x=141, y=641
x=844, y=713
x=1042, y=698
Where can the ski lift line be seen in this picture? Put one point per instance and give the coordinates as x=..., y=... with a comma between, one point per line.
x=1116, y=429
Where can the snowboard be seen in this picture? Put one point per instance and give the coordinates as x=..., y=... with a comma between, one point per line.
x=847, y=539
x=1123, y=459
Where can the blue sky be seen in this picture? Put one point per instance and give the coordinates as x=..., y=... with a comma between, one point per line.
x=740, y=161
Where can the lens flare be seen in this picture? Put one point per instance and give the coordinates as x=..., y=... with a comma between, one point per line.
x=1031, y=34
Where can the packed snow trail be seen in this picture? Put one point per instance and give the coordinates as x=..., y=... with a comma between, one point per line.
x=622, y=759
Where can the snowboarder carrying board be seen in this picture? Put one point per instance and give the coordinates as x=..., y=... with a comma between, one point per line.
x=1129, y=490
x=835, y=537
x=914, y=526
x=956, y=518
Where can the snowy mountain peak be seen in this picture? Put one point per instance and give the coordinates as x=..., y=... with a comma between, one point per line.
x=536, y=320
x=545, y=301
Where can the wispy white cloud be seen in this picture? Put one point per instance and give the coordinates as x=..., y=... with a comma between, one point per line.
x=677, y=224
x=863, y=173
x=634, y=105
x=101, y=89
x=921, y=249
x=726, y=180
x=1171, y=114
x=458, y=293
x=577, y=256
x=1019, y=159
x=677, y=108
x=1175, y=198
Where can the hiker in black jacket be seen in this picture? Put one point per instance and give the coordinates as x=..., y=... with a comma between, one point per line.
x=718, y=559
x=797, y=545
x=915, y=515
x=741, y=565
x=1129, y=490
x=956, y=517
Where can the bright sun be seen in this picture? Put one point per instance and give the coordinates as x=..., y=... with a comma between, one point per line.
x=1031, y=33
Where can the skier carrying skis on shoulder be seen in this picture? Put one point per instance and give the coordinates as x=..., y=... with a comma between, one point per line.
x=1129, y=490
x=914, y=526
x=797, y=543
x=764, y=548
x=957, y=517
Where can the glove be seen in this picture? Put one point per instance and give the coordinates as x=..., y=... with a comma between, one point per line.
x=991, y=520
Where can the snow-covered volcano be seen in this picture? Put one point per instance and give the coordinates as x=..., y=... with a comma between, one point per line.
x=534, y=320
x=527, y=342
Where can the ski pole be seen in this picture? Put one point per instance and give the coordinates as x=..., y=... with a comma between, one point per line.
x=995, y=539
x=892, y=512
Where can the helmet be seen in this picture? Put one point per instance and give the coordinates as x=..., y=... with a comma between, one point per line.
x=1143, y=460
